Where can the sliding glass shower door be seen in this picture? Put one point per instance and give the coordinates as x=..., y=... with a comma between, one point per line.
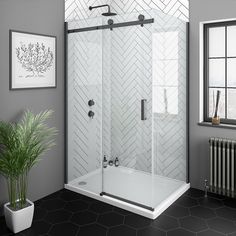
x=127, y=111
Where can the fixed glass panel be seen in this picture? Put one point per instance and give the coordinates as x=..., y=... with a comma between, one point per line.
x=169, y=106
x=231, y=72
x=231, y=39
x=217, y=42
x=84, y=121
x=231, y=106
x=212, y=102
x=216, y=72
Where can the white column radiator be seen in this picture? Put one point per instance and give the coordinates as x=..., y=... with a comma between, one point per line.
x=222, y=166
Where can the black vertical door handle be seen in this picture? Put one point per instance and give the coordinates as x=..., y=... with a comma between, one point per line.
x=143, y=109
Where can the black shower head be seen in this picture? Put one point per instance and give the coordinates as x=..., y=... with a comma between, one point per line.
x=109, y=13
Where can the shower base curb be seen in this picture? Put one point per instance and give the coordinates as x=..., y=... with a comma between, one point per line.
x=133, y=208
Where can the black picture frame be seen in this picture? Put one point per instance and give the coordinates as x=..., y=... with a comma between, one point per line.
x=11, y=75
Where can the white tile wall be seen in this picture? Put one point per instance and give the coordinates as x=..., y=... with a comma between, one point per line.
x=78, y=9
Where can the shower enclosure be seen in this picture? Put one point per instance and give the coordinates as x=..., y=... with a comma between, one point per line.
x=126, y=100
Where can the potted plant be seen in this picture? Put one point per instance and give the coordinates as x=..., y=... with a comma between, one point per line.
x=21, y=144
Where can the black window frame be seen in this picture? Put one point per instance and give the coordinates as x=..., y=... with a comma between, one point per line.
x=206, y=70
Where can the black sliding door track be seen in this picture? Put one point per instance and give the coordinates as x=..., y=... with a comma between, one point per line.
x=127, y=201
x=112, y=26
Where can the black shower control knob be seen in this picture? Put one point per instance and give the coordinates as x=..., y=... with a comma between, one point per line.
x=91, y=114
x=141, y=17
x=110, y=22
x=91, y=102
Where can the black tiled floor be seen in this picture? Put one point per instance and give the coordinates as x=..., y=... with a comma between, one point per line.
x=65, y=213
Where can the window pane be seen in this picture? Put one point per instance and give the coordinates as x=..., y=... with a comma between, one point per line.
x=217, y=72
x=231, y=110
x=231, y=39
x=158, y=72
x=166, y=73
x=158, y=105
x=165, y=100
x=166, y=44
x=212, y=102
x=171, y=101
x=171, y=73
x=231, y=73
x=217, y=42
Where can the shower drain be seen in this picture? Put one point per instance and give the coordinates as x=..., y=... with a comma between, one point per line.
x=82, y=183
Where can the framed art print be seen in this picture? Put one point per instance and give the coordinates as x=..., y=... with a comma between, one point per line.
x=32, y=60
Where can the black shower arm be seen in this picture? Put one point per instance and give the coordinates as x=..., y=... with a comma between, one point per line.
x=106, y=5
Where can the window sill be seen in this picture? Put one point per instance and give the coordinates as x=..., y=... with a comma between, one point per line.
x=224, y=126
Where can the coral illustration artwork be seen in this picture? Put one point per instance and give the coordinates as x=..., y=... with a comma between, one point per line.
x=35, y=58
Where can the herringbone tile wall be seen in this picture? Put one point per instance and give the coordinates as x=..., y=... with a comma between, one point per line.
x=78, y=9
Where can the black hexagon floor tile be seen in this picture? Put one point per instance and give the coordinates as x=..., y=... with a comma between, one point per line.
x=195, y=193
x=88, y=199
x=165, y=222
x=186, y=201
x=221, y=225
x=92, y=229
x=38, y=228
x=110, y=219
x=76, y=206
x=121, y=230
x=3, y=228
x=137, y=221
x=67, y=228
x=68, y=213
x=84, y=218
x=177, y=211
x=121, y=211
x=69, y=196
x=227, y=213
x=209, y=233
x=217, y=196
x=210, y=202
x=180, y=232
x=193, y=224
x=150, y=231
x=100, y=207
x=53, y=204
x=58, y=216
x=230, y=202
x=38, y=203
x=39, y=213
x=202, y=212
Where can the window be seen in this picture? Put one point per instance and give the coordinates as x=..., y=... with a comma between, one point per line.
x=220, y=70
x=165, y=72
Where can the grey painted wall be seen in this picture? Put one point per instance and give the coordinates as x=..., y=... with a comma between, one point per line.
x=45, y=17
x=203, y=10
